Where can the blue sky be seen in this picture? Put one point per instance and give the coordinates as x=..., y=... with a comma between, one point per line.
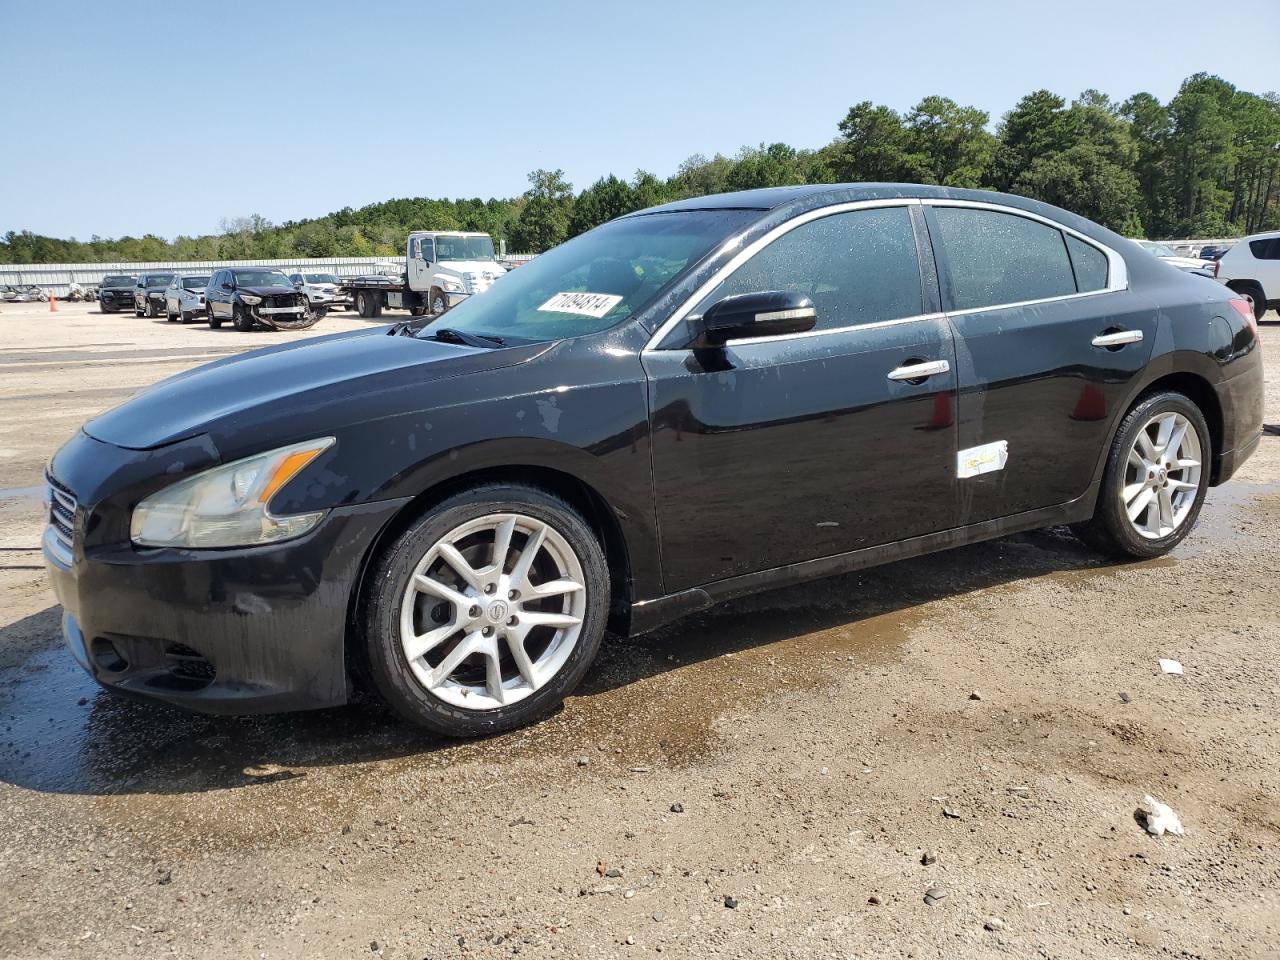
x=165, y=117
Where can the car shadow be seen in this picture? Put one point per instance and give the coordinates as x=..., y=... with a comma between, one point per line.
x=63, y=734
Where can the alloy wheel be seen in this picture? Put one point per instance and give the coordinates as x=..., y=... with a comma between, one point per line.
x=492, y=611
x=1162, y=476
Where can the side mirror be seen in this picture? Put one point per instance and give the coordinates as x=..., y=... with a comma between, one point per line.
x=748, y=315
x=227, y=285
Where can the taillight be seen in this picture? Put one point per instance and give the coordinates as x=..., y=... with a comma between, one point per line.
x=1245, y=309
x=1216, y=265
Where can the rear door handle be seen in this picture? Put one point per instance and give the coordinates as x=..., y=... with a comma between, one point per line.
x=918, y=371
x=1117, y=339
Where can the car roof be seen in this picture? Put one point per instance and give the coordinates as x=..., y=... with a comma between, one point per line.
x=809, y=196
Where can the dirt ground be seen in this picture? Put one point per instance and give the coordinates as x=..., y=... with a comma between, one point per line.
x=763, y=780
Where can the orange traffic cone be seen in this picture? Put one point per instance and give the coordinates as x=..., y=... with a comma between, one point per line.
x=53, y=302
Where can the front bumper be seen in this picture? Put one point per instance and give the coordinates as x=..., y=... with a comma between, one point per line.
x=454, y=299
x=116, y=301
x=253, y=630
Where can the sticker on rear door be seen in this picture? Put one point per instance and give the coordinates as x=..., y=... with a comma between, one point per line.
x=587, y=304
x=987, y=458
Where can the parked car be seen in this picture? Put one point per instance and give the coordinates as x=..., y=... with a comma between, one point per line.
x=148, y=294
x=323, y=291
x=1214, y=251
x=1252, y=269
x=116, y=292
x=1170, y=256
x=8, y=292
x=689, y=403
x=184, y=297
x=252, y=296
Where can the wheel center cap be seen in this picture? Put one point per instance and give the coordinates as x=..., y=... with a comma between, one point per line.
x=1163, y=476
x=497, y=611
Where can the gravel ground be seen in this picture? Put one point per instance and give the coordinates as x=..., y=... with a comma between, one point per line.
x=785, y=776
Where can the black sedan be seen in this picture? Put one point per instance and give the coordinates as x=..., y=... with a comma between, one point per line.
x=686, y=404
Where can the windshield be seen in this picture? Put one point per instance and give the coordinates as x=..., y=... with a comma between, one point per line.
x=320, y=278
x=464, y=248
x=261, y=278
x=119, y=280
x=159, y=280
x=195, y=283
x=597, y=280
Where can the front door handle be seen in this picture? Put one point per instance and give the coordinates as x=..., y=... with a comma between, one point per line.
x=918, y=371
x=1117, y=339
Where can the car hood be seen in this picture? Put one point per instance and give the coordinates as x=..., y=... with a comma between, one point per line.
x=240, y=398
x=266, y=291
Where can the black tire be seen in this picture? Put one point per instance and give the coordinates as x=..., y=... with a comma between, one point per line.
x=389, y=578
x=136, y=311
x=185, y=316
x=363, y=304
x=242, y=321
x=417, y=311
x=168, y=315
x=438, y=306
x=214, y=322
x=1109, y=530
x=152, y=311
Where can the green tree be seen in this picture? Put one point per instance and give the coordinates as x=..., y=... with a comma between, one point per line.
x=548, y=208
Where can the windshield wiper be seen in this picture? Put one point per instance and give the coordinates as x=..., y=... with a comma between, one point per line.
x=454, y=335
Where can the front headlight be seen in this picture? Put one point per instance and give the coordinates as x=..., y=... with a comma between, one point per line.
x=227, y=505
x=250, y=299
x=452, y=286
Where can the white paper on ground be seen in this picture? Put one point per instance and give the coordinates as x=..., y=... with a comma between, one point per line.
x=587, y=304
x=987, y=458
x=1161, y=819
x=1171, y=666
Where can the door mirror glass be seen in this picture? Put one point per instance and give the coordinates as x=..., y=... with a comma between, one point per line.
x=750, y=315
x=227, y=285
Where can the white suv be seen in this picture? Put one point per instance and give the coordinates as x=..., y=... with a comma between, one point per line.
x=322, y=290
x=1252, y=269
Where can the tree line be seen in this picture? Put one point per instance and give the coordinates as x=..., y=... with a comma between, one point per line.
x=1205, y=164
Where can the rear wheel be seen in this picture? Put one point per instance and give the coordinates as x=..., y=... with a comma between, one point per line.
x=214, y=321
x=486, y=613
x=1156, y=478
x=1253, y=293
x=169, y=314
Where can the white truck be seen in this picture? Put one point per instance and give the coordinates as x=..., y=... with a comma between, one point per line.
x=442, y=268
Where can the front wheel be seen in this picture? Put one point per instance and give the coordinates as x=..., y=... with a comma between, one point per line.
x=486, y=613
x=438, y=303
x=241, y=319
x=1156, y=478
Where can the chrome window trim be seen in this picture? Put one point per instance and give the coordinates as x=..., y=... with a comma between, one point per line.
x=1117, y=271
x=879, y=324
x=750, y=250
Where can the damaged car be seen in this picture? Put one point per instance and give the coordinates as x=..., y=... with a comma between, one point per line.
x=256, y=296
x=687, y=404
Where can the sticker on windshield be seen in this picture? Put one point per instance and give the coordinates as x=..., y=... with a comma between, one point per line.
x=587, y=304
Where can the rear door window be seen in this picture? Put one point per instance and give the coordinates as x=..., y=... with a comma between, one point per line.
x=857, y=267
x=1090, y=265
x=996, y=258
